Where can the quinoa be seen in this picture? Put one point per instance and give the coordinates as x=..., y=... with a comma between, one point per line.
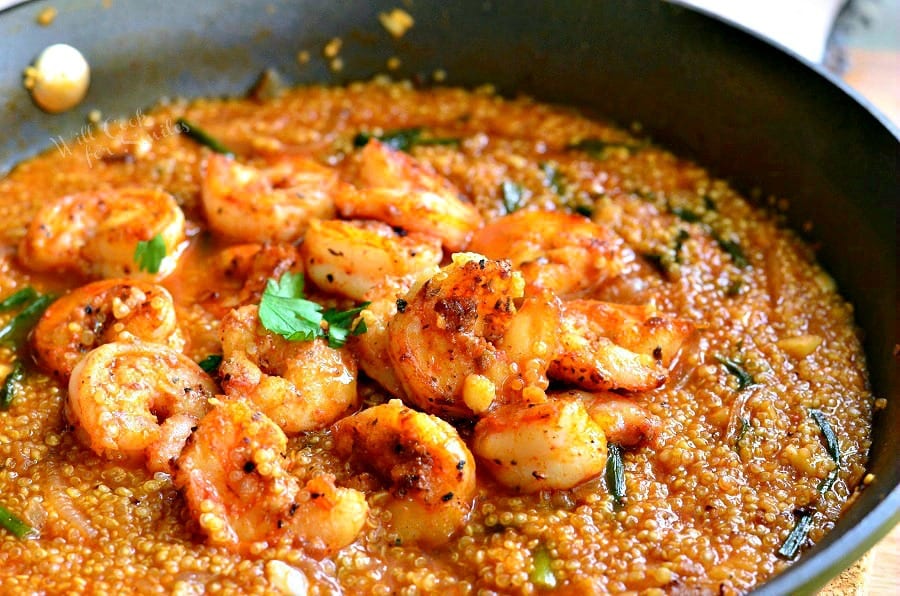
x=705, y=510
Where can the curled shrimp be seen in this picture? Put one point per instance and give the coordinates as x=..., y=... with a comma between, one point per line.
x=301, y=385
x=237, y=487
x=624, y=421
x=537, y=446
x=96, y=233
x=460, y=342
x=616, y=346
x=245, y=269
x=428, y=468
x=405, y=193
x=563, y=252
x=352, y=257
x=246, y=204
x=102, y=312
x=133, y=401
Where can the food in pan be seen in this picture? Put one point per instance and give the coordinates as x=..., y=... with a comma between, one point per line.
x=376, y=339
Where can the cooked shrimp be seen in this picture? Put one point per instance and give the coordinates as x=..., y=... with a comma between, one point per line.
x=459, y=342
x=405, y=193
x=538, y=446
x=131, y=401
x=246, y=204
x=96, y=233
x=246, y=268
x=428, y=468
x=301, y=385
x=352, y=257
x=102, y=312
x=236, y=486
x=616, y=346
x=566, y=253
x=372, y=347
x=624, y=421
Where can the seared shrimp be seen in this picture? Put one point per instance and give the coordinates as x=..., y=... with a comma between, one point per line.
x=459, y=342
x=237, y=488
x=624, y=421
x=562, y=252
x=132, y=401
x=102, y=312
x=405, y=193
x=246, y=204
x=246, y=268
x=538, y=446
x=352, y=257
x=96, y=233
x=428, y=468
x=616, y=346
x=301, y=385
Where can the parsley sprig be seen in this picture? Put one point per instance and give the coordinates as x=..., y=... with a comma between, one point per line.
x=284, y=310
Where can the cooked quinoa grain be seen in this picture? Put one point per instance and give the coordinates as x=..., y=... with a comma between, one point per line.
x=707, y=503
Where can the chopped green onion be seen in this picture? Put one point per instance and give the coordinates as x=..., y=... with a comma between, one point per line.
x=542, y=573
x=13, y=524
x=198, y=135
x=799, y=534
x=19, y=326
x=403, y=139
x=11, y=384
x=615, y=473
x=599, y=149
x=149, y=254
x=513, y=195
x=744, y=378
x=211, y=363
x=19, y=298
x=832, y=445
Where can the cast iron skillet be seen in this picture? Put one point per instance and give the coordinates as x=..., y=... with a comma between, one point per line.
x=751, y=112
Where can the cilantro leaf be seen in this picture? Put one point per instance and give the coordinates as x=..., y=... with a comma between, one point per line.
x=149, y=254
x=284, y=310
x=340, y=322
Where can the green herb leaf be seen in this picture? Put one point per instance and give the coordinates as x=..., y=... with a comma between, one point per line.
x=198, y=135
x=513, y=195
x=615, y=473
x=13, y=524
x=685, y=214
x=734, y=288
x=554, y=179
x=17, y=328
x=799, y=534
x=211, y=363
x=149, y=254
x=832, y=445
x=18, y=298
x=828, y=481
x=599, y=149
x=284, y=310
x=541, y=572
x=340, y=322
x=403, y=139
x=11, y=385
x=744, y=378
x=733, y=249
x=680, y=239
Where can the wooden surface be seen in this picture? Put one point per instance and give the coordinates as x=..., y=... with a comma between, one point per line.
x=875, y=74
